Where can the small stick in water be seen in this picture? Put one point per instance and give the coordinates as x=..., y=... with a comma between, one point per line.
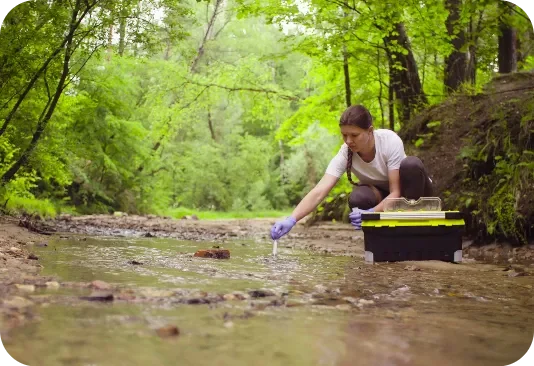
x=275, y=246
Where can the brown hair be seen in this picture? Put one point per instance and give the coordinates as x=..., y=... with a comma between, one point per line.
x=359, y=116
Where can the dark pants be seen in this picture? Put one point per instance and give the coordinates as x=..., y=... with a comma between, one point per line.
x=414, y=183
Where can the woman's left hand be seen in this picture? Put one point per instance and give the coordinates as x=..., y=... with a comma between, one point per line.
x=356, y=218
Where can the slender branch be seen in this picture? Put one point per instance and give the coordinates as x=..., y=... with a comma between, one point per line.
x=46, y=85
x=256, y=90
x=222, y=27
x=83, y=65
x=211, y=23
x=512, y=7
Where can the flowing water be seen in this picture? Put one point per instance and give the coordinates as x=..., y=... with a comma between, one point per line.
x=300, y=308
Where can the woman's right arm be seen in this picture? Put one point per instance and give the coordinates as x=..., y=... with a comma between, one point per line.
x=314, y=197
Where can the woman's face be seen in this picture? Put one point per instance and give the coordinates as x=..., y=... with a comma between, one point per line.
x=355, y=137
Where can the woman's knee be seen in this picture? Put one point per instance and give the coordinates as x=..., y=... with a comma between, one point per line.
x=411, y=164
x=362, y=197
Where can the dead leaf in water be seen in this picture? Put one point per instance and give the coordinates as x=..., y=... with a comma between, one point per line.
x=99, y=296
x=168, y=331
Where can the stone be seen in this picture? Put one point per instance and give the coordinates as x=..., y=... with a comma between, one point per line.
x=100, y=285
x=18, y=302
x=168, y=331
x=260, y=293
x=229, y=297
x=65, y=217
x=33, y=257
x=135, y=263
x=213, y=253
x=26, y=288
x=53, y=285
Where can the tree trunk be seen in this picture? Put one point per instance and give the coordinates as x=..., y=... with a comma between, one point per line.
x=30, y=85
x=122, y=31
x=346, y=73
x=210, y=125
x=472, y=65
x=41, y=125
x=405, y=77
x=207, y=35
x=312, y=173
x=391, y=100
x=507, y=46
x=457, y=63
x=381, y=84
x=348, y=95
x=110, y=43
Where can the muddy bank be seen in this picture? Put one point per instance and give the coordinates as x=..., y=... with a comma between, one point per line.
x=19, y=272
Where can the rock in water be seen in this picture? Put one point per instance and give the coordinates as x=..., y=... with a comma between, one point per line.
x=168, y=331
x=213, y=253
x=100, y=285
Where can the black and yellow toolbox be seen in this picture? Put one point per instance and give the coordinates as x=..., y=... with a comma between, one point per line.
x=413, y=230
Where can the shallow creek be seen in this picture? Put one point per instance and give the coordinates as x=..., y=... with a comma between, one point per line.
x=300, y=308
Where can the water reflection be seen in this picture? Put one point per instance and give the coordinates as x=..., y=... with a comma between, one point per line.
x=335, y=310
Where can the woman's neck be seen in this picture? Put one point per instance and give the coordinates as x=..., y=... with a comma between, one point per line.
x=368, y=154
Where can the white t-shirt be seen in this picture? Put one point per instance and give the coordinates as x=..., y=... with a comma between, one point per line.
x=389, y=154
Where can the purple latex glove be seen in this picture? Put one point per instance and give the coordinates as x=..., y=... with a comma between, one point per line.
x=356, y=217
x=281, y=228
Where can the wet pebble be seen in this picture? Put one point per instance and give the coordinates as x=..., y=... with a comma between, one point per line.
x=321, y=288
x=277, y=302
x=514, y=273
x=33, y=257
x=362, y=302
x=25, y=288
x=260, y=293
x=52, y=285
x=197, y=301
x=100, y=285
x=18, y=302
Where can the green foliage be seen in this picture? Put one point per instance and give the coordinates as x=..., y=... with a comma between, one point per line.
x=499, y=170
x=30, y=206
x=250, y=128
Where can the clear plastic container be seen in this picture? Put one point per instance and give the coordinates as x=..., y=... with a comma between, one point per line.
x=402, y=204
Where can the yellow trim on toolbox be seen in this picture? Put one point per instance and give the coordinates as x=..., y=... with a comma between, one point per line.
x=429, y=222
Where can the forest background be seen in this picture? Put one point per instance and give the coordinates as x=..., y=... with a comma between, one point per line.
x=228, y=108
